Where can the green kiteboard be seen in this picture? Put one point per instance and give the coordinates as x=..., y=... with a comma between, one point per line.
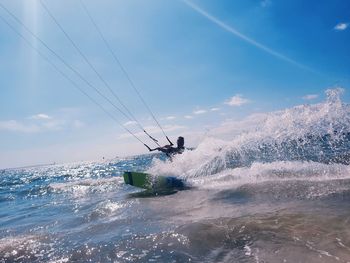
x=151, y=182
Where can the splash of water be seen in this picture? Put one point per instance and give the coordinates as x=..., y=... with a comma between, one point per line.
x=318, y=133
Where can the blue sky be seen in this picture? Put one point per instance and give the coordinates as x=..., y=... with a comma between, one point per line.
x=196, y=63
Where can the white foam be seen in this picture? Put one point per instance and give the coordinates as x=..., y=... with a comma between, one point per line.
x=84, y=186
x=276, y=171
x=234, y=143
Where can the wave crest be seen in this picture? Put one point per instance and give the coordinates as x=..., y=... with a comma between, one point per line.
x=317, y=132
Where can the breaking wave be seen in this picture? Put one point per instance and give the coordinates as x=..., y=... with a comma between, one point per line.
x=317, y=133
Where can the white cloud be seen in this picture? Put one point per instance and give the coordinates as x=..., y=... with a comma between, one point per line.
x=130, y=123
x=231, y=128
x=16, y=126
x=154, y=130
x=237, y=101
x=310, y=97
x=170, y=128
x=170, y=118
x=214, y=109
x=199, y=112
x=46, y=124
x=54, y=125
x=188, y=117
x=341, y=26
x=40, y=116
x=61, y=119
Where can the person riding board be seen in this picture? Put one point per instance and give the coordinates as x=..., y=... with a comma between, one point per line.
x=169, y=150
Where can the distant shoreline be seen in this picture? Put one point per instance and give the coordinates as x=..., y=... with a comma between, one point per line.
x=29, y=166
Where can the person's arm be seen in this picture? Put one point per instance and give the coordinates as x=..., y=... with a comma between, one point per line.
x=171, y=144
x=151, y=150
x=161, y=149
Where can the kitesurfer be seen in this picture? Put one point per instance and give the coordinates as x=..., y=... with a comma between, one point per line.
x=169, y=150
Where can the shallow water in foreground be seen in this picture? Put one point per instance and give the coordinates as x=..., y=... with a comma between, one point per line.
x=287, y=212
x=276, y=190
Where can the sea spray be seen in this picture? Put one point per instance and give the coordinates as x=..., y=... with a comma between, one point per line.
x=316, y=132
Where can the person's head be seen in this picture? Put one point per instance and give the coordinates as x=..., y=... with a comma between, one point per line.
x=180, y=142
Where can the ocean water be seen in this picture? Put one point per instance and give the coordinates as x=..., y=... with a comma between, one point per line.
x=274, y=187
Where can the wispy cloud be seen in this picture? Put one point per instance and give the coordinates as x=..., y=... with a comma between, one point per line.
x=188, y=117
x=154, y=130
x=54, y=125
x=40, y=123
x=130, y=123
x=16, y=126
x=40, y=116
x=197, y=112
x=310, y=97
x=237, y=100
x=247, y=39
x=341, y=26
x=214, y=109
x=169, y=118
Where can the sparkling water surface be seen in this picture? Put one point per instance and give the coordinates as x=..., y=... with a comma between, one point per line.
x=278, y=192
